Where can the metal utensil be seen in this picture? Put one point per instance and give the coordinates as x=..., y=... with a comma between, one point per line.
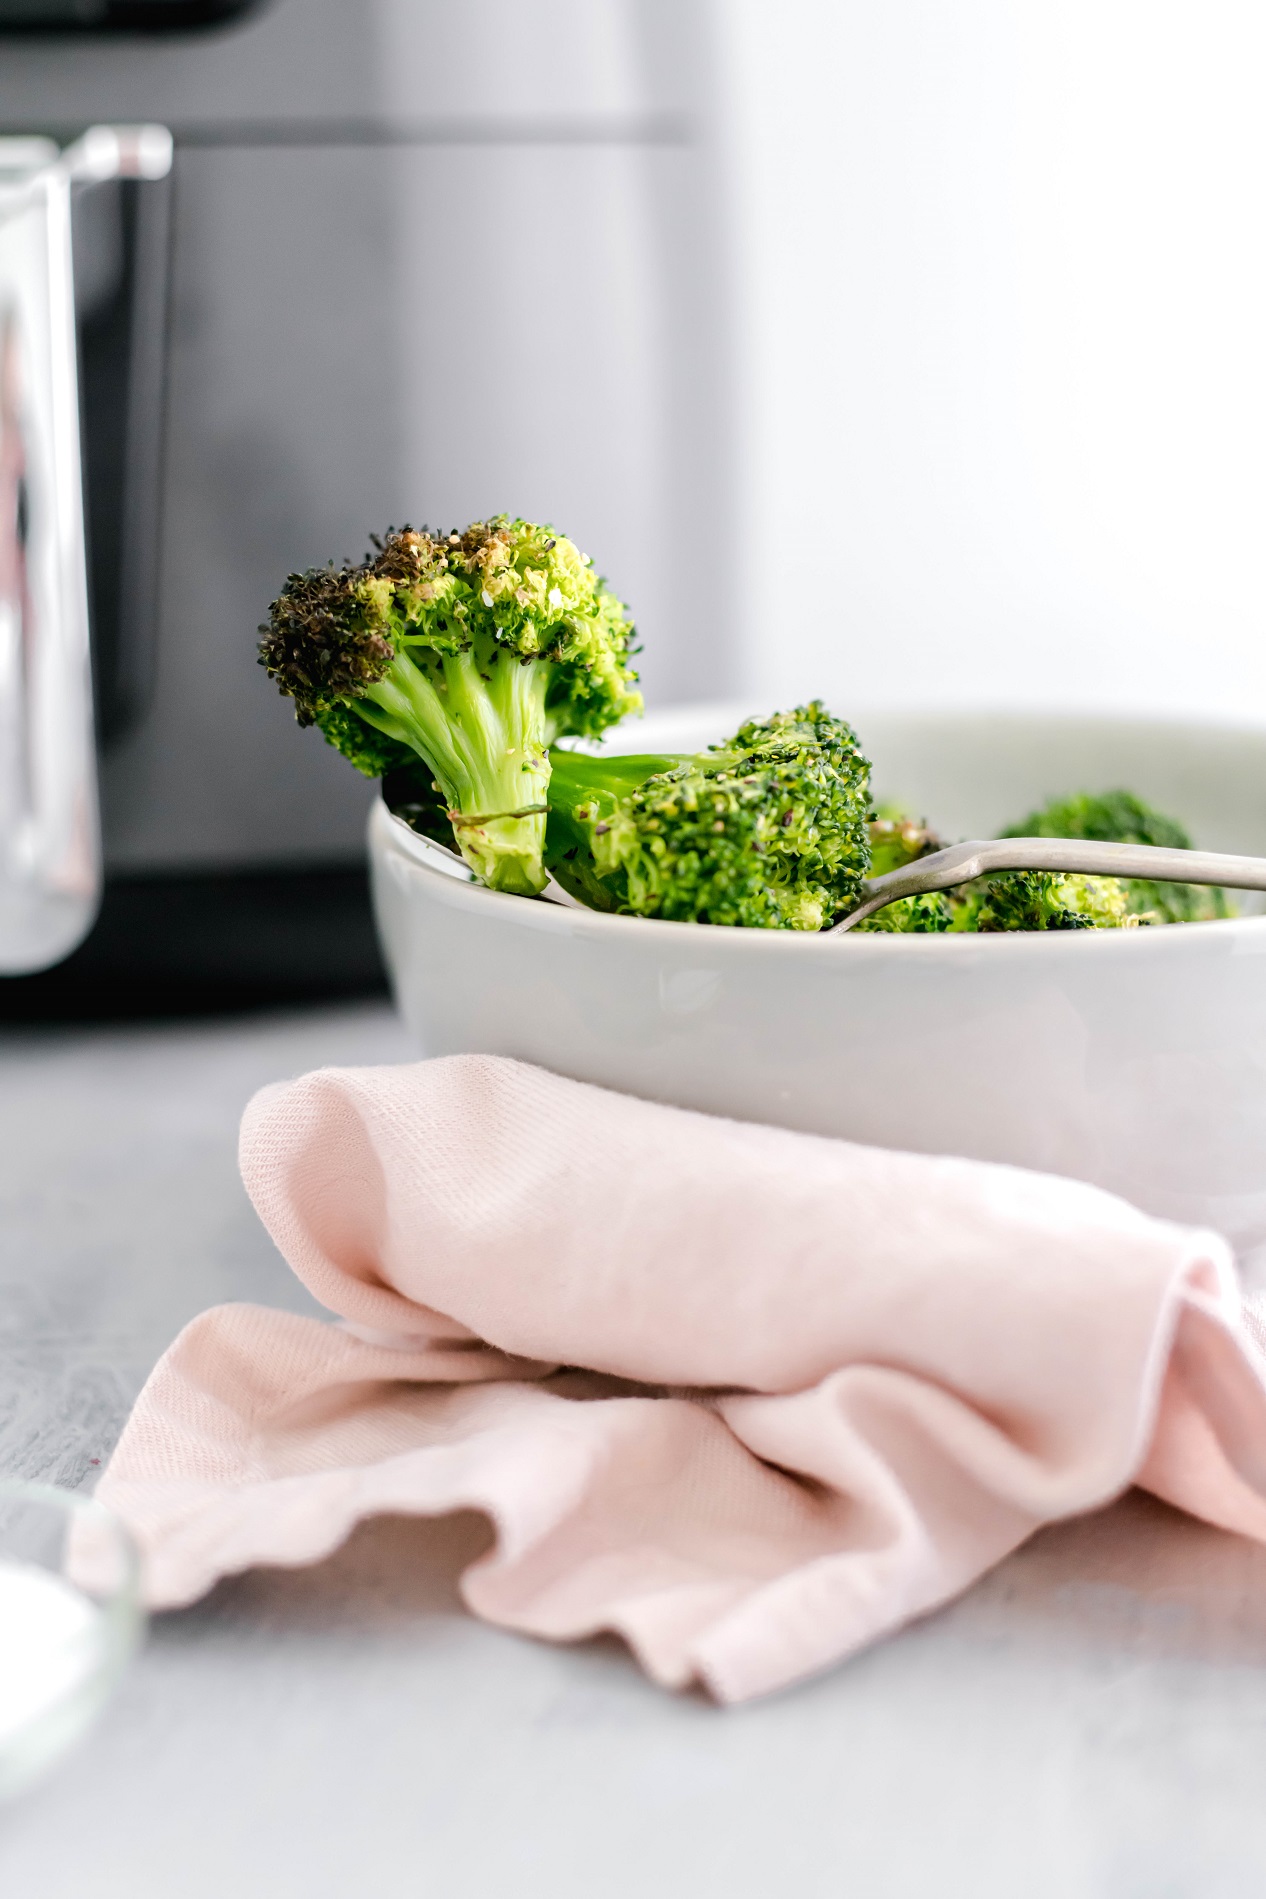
x=941, y=870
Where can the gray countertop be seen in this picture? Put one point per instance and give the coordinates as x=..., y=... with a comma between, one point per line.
x=1090, y=1720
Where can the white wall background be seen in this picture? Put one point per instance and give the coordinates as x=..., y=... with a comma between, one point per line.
x=1003, y=266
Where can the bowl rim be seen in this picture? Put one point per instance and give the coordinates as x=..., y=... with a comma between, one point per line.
x=387, y=832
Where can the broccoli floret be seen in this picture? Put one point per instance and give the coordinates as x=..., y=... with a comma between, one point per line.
x=767, y=831
x=897, y=839
x=1009, y=900
x=1118, y=817
x=929, y=914
x=1041, y=900
x=473, y=652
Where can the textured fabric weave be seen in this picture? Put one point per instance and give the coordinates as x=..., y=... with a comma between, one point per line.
x=750, y=1398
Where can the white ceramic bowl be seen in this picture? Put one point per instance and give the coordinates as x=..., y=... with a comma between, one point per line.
x=1135, y=1059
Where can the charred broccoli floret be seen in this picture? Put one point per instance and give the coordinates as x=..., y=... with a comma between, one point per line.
x=768, y=830
x=1118, y=817
x=471, y=651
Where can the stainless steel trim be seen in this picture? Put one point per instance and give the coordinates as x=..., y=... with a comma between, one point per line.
x=50, y=841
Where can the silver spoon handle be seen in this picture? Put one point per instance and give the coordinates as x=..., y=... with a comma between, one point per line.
x=961, y=862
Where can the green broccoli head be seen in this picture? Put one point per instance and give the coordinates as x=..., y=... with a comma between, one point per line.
x=767, y=831
x=472, y=651
x=1010, y=900
x=1118, y=817
x=930, y=913
x=897, y=839
x=1042, y=900
x=517, y=591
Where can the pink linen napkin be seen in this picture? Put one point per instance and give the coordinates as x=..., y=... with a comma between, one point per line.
x=750, y=1398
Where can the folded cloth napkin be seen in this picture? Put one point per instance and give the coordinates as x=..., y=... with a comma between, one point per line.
x=751, y=1398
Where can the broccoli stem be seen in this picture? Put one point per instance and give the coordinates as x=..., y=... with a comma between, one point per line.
x=584, y=792
x=478, y=720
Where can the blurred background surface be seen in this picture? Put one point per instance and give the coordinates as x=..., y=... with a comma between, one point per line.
x=1002, y=291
